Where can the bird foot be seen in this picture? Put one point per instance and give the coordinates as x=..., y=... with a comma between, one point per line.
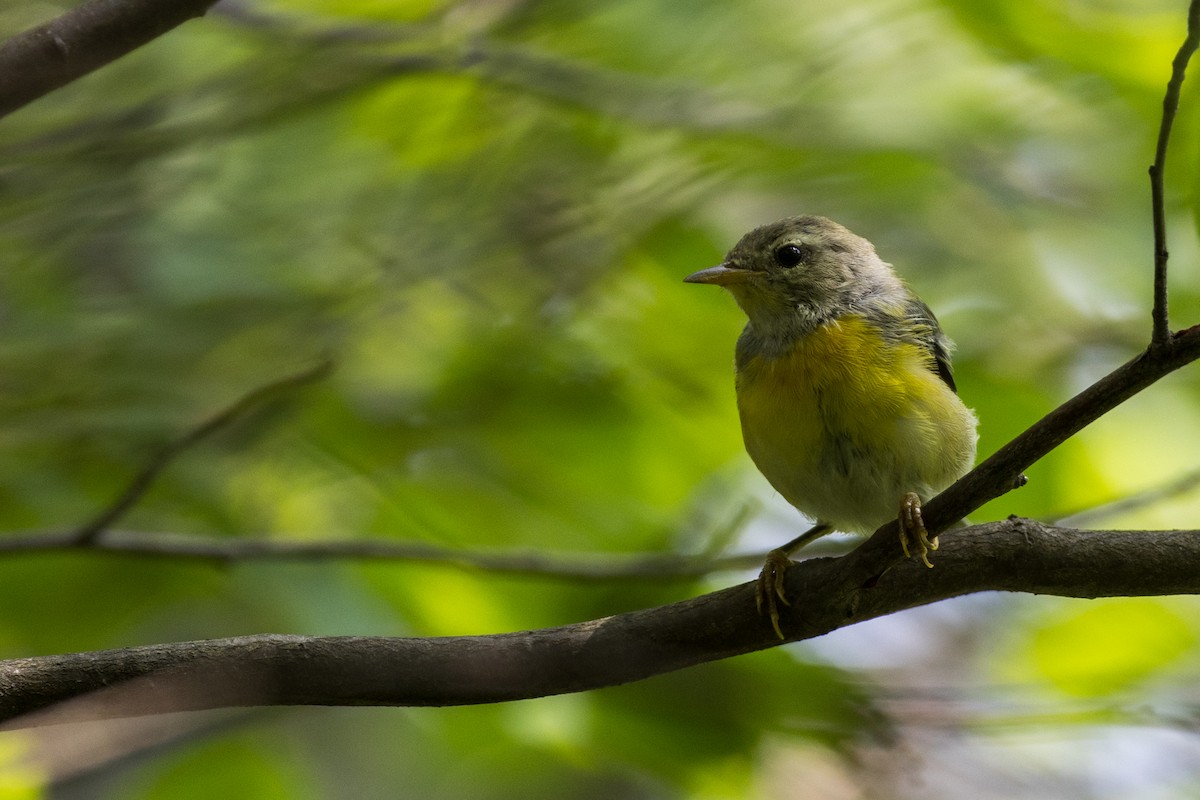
x=769, y=590
x=912, y=529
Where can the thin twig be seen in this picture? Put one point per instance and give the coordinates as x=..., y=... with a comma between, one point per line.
x=224, y=551
x=1161, y=334
x=87, y=533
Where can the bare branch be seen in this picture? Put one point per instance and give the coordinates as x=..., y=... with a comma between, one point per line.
x=142, y=482
x=224, y=550
x=1013, y=555
x=41, y=59
x=1162, y=331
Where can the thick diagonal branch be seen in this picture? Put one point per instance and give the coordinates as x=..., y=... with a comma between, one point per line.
x=42, y=59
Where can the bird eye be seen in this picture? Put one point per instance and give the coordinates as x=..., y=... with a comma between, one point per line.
x=789, y=255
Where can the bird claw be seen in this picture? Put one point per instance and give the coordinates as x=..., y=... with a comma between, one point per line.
x=912, y=527
x=769, y=588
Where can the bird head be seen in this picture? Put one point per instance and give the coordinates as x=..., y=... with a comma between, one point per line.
x=800, y=272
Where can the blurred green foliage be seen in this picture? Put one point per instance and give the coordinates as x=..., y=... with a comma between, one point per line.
x=481, y=211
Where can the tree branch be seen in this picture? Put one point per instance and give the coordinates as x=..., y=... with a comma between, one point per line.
x=1161, y=330
x=224, y=550
x=141, y=483
x=41, y=59
x=1013, y=555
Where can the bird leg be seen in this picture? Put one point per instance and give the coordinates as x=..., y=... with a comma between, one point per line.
x=912, y=528
x=769, y=590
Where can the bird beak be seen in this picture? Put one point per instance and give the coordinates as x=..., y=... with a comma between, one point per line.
x=721, y=275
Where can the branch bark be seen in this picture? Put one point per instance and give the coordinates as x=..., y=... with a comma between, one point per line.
x=42, y=59
x=1014, y=555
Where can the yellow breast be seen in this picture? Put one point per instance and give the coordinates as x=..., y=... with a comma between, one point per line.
x=845, y=423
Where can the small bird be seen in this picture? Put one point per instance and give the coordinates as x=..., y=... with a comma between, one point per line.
x=844, y=389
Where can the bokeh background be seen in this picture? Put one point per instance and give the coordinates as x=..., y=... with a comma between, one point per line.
x=481, y=212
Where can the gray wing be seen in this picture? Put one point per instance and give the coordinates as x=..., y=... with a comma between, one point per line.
x=928, y=334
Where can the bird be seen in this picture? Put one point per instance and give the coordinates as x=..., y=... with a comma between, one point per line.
x=845, y=394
